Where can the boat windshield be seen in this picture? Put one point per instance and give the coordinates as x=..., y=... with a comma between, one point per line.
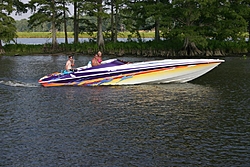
x=110, y=63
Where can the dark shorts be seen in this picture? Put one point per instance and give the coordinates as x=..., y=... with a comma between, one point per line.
x=74, y=70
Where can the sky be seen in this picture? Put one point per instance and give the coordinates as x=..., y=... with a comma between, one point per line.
x=20, y=17
x=23, y=16
x=27, y=15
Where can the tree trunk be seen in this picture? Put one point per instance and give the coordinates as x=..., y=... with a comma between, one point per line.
x=116, y=21
x=76, y=24
x=189, y=49
x=54, y=42
x=157, y=34
x=1, y=48
x=157, y=27
x=100, y=40
x=248, y=32
x=112, y=20
x=65, y=23
x=53, y=31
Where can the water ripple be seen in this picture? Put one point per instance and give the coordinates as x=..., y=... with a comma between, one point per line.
x=203, y=123
x=18, y=84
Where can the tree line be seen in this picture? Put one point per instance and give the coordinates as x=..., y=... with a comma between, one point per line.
x=23, y=26
x=193, y=22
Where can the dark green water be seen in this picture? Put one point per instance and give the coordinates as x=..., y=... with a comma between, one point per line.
x=205, y=122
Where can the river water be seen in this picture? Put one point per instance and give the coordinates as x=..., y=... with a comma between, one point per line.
x=205, y=122
x=36, y=41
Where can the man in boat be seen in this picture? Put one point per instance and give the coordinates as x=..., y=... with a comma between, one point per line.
x=69, y=64
x=97, y=59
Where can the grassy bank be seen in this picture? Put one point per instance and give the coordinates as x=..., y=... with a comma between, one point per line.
x=48, y=35
x=82, y=35
x=167, y=48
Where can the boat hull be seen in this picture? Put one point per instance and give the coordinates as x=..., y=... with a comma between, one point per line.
x=164, y=71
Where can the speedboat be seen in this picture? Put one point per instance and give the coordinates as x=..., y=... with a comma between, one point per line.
x=118, y=72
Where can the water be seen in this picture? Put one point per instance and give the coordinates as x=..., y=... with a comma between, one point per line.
x=37, y=41
x=201, y=123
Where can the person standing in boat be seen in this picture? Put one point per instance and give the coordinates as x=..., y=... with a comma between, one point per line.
x=97, y=59
x=69, y=64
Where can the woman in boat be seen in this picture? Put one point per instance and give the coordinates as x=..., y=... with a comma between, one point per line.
x=97, y=59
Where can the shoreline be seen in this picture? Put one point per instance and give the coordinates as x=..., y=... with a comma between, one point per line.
x=144, y=34
x=129, y=55
x=150, y=48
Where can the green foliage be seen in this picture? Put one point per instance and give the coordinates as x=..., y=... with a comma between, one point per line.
x=53, y=11
x=7, y=23
x=22, y=49
x=230, y=47
x=119, y=48
x=201, y=21
x=7, y=28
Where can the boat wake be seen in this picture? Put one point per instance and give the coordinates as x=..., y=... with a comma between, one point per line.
x=18, y=84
